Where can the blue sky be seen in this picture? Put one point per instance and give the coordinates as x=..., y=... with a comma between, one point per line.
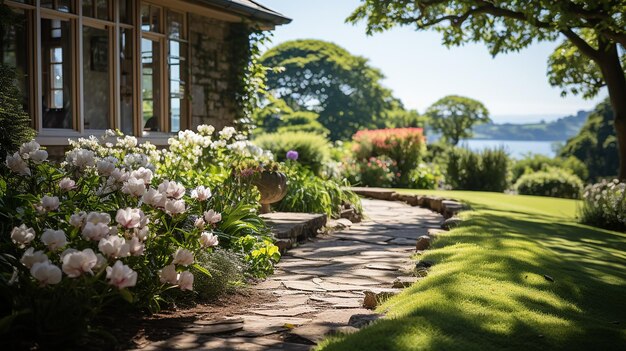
x=420, y=70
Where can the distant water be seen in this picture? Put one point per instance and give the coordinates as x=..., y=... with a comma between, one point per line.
x=515, y=148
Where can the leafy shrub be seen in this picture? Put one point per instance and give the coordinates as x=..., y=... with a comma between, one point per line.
x=485, y=171
x=425, y=176
x=313, y=149
x=533, y=163
x=604, y=205
x=375, y=171
x=553, y=182
x=309, y=193
x=14, y=122
x=404, y=146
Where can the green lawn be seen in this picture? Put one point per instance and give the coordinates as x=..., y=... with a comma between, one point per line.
x=487, y=288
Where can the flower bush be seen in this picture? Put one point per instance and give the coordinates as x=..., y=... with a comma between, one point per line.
x=120, y=220
x=553, y=182
x=404, y=146
x=375, y=171
x=604, y=205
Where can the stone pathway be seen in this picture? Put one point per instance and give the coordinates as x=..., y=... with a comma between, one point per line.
x=321, y=285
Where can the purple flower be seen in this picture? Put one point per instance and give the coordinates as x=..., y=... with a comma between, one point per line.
x=292, y=155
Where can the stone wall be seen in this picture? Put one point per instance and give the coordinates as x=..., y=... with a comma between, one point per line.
x=212, y=94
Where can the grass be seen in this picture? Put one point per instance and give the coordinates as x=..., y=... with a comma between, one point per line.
x=487, y=289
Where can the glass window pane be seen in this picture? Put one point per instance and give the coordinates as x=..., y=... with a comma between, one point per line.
x=102, y=9
x=145, y=17
x=88, y=8
x=96, y=88
x=126, y=80
x=57, y=67
x=175, y=25
x=64, y=5
x=177, y=78
x=47, y=4
x=155, y=19
x=126, y=11
x=150, y=85
x=14, y=52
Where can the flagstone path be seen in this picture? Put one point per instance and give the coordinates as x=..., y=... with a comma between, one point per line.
x=319, y=287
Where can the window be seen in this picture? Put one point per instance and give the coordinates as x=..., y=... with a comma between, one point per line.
x=177, y=68
x=96, y=74
x=15, y=52
x=57, y=73
x=151, y=85
x=126, y=81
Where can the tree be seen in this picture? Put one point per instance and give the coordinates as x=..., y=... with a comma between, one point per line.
x=595, y=31
x=324, y=78
x=596, y=144
x=454, y=116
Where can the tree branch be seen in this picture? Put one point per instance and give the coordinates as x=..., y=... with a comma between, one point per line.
x=581, y=44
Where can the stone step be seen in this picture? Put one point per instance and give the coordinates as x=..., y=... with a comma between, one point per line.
x=289, y=228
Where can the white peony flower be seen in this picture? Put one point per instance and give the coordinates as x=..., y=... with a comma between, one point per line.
x=201, y=193
x=227, y=133
x=96, y=231
x=28, y=148
x=185, y=281
x=130, y=217
x=17, y=165
x=199, y=223
x=172, y=189
x=50, y=203
x=142, y=233
x=106, y=166
x=54, y=239
x=67, y=184
x=135, y=247
x=208, y=239
x=79, y=262
x=46, y=273
x=38, y=156
x=78, y=219
x=183, y=257
x=174, y=207
x=22, y=235
x=133, y=186
x=143, y=174
x=101, y=262
x=218, y=144
x=205, y=129
x=98, y=217
x=114, y=246
x=168, y=274
x=212, y=217
x=121, y=276
x=30, y=257
x=119, y=175
x=81, y=158
x=154, y=198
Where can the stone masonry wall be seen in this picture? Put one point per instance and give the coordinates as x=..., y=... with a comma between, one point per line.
x=212, y=97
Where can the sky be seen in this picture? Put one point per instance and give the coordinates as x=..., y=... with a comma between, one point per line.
x=420, y=70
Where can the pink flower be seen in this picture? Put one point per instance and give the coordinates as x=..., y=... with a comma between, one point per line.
x=78, y=219
x=135, y=187
x=46, y=273
x=168, y=274
x=208, y=239
x=50, y=203
x=30, y=257
x=95, y=231
x=154, y=198
x=67, y=184
x=16, y=164
x=201, y=193
x=54, y=239
x=172, y=189
x=114, y=246
x=130, y=217
x=183, y=257
x=22, y=235
x=79, y=262
x=185, y=281
x=121, y=276
x=143, y=174
x=212, y=217
x=174, y=207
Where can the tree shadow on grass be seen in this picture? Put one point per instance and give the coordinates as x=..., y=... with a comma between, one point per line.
x=488, y=290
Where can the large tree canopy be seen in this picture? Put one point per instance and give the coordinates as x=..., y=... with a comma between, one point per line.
x=322, y=77
x=454, y=116
x=595, y=32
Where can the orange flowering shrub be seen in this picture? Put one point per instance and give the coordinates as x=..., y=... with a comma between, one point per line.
x=404, y=146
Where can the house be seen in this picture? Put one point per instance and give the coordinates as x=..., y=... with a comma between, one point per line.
x=147, y=68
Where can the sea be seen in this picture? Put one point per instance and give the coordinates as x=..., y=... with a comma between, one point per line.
x=515, y=148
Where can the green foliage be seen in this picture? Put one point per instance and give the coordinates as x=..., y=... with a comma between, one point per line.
x=454, y=116
x=277, y=116
x=260, y=255
x=536, y=162
x=322, y=77
x=309, y=193
x=313, y=149
x=596, y=144
x=14, y=122
x=303, y=121
x=425, y=176
x=486, y=170
x=554, y=182
x=604, y=205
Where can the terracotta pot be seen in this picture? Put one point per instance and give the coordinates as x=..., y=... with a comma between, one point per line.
x=273, y=187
